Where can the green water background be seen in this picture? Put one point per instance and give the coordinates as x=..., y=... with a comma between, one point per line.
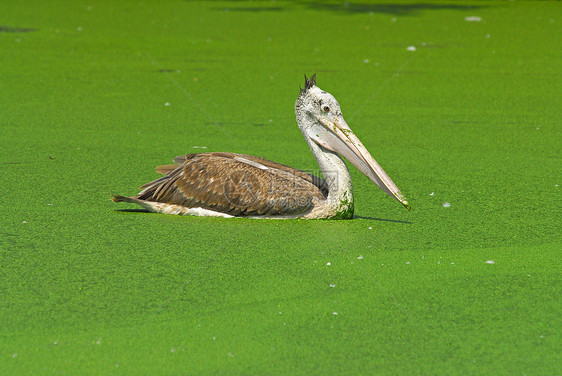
x=458, y=101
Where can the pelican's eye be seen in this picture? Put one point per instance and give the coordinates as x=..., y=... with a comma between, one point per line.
x=326, y=109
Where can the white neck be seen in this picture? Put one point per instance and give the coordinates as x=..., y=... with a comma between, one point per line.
x=336, y=174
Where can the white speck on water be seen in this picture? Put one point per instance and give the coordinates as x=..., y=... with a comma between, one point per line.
x=172, y=350
x=332, y=285
x=334, y=313
x=167, y=104
x=231, y=355
x=14, y=355
x=360, y=258
x=328, y=263
x=199, y=147
x=473, y=19
x=432, y=193
x=366, y=61
x=411, y=48
x=23, y=221
x=446, y=205
x=79, y=28
x=490, y=262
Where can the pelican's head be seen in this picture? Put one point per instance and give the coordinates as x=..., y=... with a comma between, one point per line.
x=320, y=119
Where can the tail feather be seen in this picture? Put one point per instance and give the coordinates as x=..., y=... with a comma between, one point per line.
x=154, y=206
x=166, y=169
x=119, y=198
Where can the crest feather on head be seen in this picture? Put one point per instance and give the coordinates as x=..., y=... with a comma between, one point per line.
x=308, y=83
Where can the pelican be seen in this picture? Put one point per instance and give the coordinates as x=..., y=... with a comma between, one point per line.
x=237, y=185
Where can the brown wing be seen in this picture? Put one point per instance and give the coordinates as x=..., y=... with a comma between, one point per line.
x=319, y=182
x=235, y=184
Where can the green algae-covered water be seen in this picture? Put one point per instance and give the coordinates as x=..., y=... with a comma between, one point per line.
x=458, y=101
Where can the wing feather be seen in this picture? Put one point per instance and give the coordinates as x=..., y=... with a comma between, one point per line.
x=217, y=181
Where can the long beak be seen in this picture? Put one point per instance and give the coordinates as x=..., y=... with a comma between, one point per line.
x=341, y=139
